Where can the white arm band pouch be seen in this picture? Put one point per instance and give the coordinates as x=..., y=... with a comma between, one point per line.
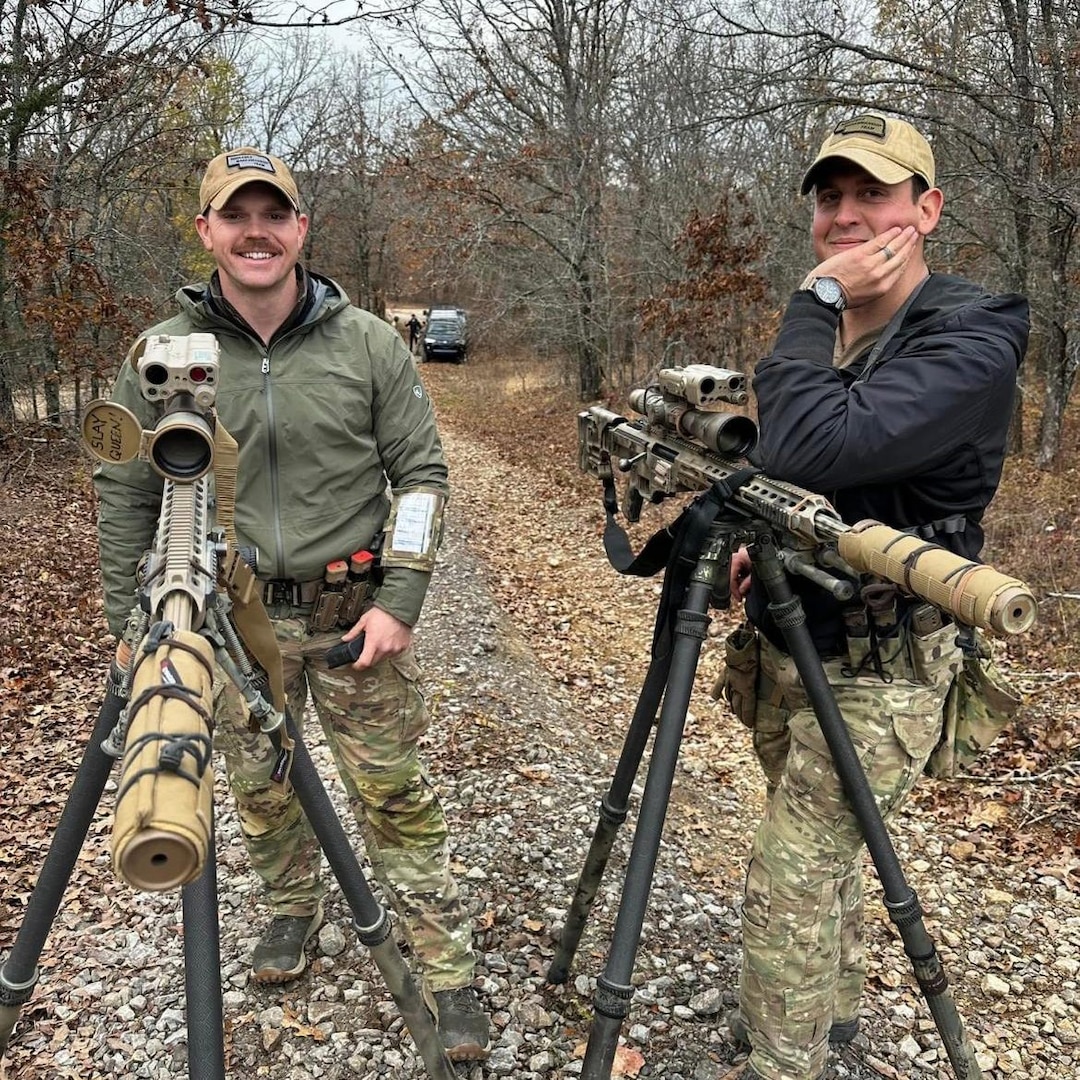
x=414, y=529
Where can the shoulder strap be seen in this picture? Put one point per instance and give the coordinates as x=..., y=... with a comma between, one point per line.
x=894, y=324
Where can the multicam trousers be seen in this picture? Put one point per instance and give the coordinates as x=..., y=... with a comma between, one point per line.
x=372, y=721
x=804, y=960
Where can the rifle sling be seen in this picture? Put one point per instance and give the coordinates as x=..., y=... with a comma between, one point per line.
x=677, y=547
x=252, y=623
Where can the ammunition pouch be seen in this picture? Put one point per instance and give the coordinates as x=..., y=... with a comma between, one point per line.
x=737, y=684
x=354, y=598
x=324, y=614
x=338, y=609
x=339, y=604
x=979, y=706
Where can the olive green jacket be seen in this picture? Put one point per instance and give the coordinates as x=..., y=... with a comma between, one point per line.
x=326, y=417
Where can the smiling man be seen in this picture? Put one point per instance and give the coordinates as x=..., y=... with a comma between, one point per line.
x=889, y=390
x=326, y=406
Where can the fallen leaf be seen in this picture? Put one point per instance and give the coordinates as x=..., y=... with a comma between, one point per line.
x=627, y=1062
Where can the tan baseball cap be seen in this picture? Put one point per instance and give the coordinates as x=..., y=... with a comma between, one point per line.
x=229, y=172
x=889, y=150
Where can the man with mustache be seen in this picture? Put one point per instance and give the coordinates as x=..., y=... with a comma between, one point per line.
x=328, y=411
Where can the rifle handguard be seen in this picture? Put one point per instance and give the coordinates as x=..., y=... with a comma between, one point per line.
x=971, y=592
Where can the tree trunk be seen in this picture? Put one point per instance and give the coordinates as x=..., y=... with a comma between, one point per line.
x=1058, y=371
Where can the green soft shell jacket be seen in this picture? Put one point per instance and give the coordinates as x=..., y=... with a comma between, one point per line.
x=325, y=417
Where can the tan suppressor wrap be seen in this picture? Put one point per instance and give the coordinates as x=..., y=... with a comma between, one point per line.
x=162, y=832
x=972, y=593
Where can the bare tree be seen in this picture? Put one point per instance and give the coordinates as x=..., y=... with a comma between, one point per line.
x=524, y=93
x=85, y=87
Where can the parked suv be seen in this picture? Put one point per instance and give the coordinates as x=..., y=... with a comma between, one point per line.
x=444, y=337
x=446, y=311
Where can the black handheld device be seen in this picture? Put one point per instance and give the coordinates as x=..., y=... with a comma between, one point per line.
x=348, y=652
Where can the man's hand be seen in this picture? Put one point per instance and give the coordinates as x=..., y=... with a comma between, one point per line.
x=868, y=271
x=740, y=574
x=385, y=636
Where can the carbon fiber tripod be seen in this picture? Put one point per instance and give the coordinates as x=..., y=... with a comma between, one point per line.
x=206, y=1061
x=202, y=957
x=697, y=578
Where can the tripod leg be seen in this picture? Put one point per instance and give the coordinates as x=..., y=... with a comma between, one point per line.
x=613, y=809
x=613, y=987
x=372, y=922
x=19, y=974
x=900, y=899
x=202, y=973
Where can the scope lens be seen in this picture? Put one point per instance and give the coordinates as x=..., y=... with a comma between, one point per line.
x=181, y=453
x=156, y=374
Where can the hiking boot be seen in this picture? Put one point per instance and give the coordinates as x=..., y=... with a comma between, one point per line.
x=279, y=956
x=462, y=1023
x=842, y=1032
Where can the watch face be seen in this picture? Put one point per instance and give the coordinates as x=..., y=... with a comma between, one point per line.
x=828, y=290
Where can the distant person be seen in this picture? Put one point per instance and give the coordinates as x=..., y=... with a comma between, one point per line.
x=335, y=431
x=414, y=326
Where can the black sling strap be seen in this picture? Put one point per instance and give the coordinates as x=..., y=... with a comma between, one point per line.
x=676, y=547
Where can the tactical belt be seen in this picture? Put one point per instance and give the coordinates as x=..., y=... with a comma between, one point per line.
x=293, y=593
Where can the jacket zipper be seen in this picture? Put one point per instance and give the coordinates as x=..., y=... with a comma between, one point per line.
x=275, y=492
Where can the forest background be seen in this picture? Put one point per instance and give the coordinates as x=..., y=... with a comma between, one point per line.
x=608, y=186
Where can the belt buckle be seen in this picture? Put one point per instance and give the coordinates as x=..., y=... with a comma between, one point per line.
x=276, y=593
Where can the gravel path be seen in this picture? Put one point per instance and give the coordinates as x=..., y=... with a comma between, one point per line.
x=522, y=755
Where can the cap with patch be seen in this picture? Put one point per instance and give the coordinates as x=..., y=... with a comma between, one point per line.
x=889, y=150
x=229, y=172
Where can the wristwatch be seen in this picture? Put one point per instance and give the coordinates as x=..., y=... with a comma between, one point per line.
x=827, y=292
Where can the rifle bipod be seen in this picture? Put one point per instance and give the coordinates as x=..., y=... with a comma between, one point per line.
x=202, y=965
x=670, y=678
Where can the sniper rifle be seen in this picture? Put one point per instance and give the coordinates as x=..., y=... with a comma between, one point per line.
x=681, y=444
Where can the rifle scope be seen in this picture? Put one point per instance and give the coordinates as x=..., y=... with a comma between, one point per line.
x=181, y=373
x=726, y=433
x=181, y=446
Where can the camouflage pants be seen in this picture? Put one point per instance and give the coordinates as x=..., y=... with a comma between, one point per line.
x=804, y=959
x=372, y=721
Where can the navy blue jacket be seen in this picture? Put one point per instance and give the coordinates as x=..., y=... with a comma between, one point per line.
x=916, y=441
